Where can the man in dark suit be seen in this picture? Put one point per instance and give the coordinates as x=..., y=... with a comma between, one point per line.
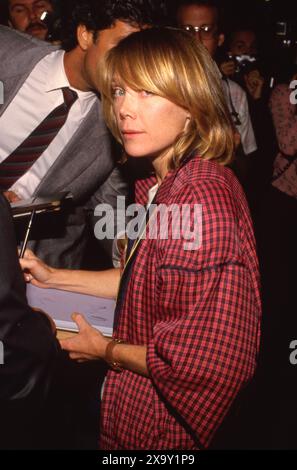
x=76, y=156
x=29, y=346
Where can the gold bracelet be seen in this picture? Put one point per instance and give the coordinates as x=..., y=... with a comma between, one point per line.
x=108, y=355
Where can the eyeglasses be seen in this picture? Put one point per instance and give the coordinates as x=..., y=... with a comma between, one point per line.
x=205, y=31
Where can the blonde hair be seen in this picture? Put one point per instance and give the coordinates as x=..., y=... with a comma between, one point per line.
x=170, y=63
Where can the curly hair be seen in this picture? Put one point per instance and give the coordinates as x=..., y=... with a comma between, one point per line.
x=97, y=15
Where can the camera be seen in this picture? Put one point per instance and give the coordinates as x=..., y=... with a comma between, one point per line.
x=244, y=61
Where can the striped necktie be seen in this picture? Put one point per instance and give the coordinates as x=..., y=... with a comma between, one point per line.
x=28, y=152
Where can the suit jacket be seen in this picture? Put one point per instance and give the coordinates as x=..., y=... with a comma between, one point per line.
x=85, y=167
x=30, y=348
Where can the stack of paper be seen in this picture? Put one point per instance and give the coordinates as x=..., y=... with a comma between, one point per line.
x=59, y=304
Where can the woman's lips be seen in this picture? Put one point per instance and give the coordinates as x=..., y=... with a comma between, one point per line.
x=131, y=133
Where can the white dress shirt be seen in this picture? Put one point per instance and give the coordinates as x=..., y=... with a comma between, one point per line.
x=39, y=95
x=240, y=103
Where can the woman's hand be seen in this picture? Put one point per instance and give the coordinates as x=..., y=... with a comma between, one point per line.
x=88, y=345
x=35, y=270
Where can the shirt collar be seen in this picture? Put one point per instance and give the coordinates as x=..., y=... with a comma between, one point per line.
x=166, y=187
x=57, y=78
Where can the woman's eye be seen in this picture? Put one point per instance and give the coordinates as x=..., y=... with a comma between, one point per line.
x=116, y=92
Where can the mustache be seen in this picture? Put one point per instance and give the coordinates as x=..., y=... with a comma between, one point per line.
x=36, y=24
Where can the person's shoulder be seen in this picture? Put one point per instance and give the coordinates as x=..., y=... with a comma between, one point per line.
x=11, y=39
x=281, y=90
x=235, y=87
x=200, y=169
x=211, y=181
x=238, y=94
x=281, y=87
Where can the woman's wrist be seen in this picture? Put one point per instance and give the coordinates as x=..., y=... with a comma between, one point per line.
x=109, y=355
x=64, y=279
x=54, y=279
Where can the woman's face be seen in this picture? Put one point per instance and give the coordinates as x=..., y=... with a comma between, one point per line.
x=148, y=123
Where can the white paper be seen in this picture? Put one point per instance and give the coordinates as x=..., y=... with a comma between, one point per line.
x=59, y=304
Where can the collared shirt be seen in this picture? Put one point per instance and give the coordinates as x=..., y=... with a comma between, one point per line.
x=240, y=103
x=197, y=311
x=40, y=94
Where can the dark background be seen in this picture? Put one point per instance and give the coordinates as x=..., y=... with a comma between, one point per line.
x=266, y=17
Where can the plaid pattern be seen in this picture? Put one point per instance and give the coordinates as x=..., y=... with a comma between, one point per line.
x=198, y=312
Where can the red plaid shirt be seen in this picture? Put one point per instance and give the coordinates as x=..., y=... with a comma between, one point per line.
x=198, y=312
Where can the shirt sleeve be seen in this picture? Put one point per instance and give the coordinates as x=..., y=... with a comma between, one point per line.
x=246, y=128
x=205, y=343
x=284, y=119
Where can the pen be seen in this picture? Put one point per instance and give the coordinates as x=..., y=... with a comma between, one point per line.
x=23, y=249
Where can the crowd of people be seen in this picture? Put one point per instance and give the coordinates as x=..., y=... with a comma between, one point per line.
x=121, y=98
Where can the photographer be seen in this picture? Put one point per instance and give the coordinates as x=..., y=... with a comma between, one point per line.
x=242, y=62
x=203, y=19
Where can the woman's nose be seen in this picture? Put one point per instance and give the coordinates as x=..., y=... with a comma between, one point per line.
x=128, y=107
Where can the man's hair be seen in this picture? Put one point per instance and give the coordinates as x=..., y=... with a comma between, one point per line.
x=97, y=15
x=172, y=64
x=214, y=4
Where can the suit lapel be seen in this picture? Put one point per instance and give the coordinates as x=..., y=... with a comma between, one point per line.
x=84, y=147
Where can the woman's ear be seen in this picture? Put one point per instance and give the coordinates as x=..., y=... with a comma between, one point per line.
x=188, y=120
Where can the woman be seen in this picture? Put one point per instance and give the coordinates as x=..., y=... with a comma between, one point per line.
x=188, y=311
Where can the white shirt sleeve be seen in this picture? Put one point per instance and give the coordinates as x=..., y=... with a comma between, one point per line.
x=246, y=130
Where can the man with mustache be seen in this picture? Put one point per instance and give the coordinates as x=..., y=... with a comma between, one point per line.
x=25, y=16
